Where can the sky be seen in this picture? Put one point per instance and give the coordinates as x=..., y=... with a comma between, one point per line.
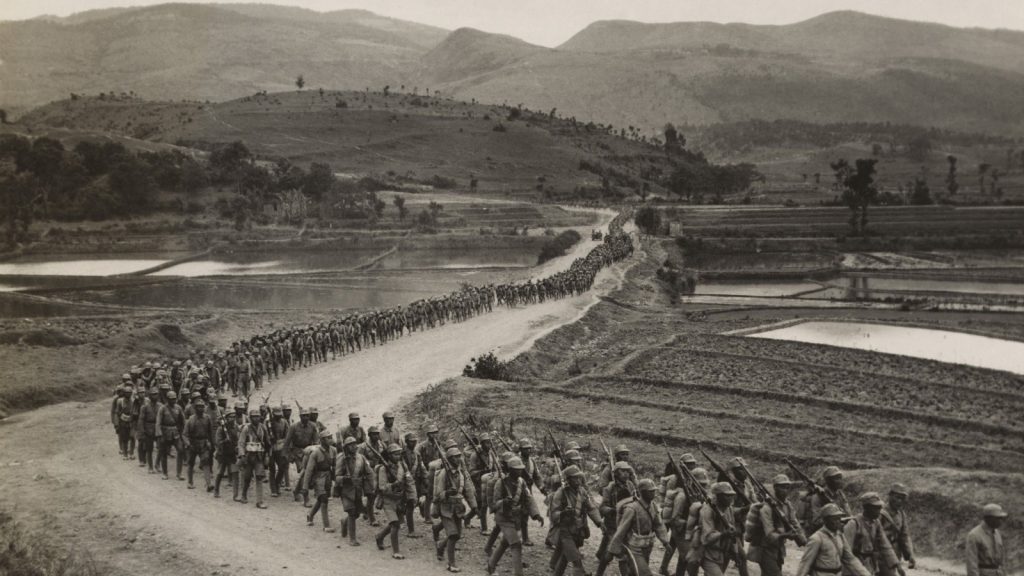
x=551, y=22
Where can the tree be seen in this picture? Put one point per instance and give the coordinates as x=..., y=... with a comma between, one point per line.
x=918, y=148
x=858, y=184
x=921, y=195
x=648, y=220
x=318, y=182
x=46, y=158
x=378, y=206
x=876, y=150
x=435, y=210
x=16, y=199
x=674, y=141
x=193, y=177
x=300, y=82
x=951, y=184
x=132, y=186
x=982, y=172
x=399, y=203
x=3, y=116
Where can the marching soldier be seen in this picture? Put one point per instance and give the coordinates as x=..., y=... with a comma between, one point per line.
x=353, y=479
x=833, y=493
x=639, y=523
x=412, y=461
x=480, y=464
x=620, y=488
x=121, y=418
x=353, y=430
x=227, y=449
x=428, y=453
x=868, y=540
x=986, y=554
x=278, y=455
x=828, y=553
x=532, y=477
x=396, y=492
x=719, y=539
x=389, y=433
x=570, y=507
x=775, y=525
x=199, y=435
x=370, y=450
x=253, y=446
x=455, y=498
x=896, y=526
x=318, y=473
x=300, y=436
x=511, y=503
x=620, y=454
x=170, y=421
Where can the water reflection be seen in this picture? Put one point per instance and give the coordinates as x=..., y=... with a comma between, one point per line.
x=942, y=345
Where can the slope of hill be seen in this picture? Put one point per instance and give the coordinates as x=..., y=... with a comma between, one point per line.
x=467, y=52
x=204, y=51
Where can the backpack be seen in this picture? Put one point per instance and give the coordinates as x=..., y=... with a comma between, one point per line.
x=805, y=511
x=753, y=530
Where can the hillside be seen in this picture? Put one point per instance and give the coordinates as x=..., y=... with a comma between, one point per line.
x=203, y=52
x=838, y=67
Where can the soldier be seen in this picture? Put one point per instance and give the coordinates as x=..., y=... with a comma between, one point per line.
x=170, y=421
x=833, y=493
x=487, y=482
x=896, y=526
x=620, y=488
x=570, y=507
x=396, y=491
x=828, y=553
x=668, y=492
x=353, y=479
x=768, y=538
x=620, y=454
x=253, y=446
x=411, y=458
x=278, y=454
x=372, y=450
x=719, y=539
x=455, y=498
x=300, y=436
x=480, y=464
x=986, y=554
x=868, y=541
x=121, y=418
x=319, y=472
x=692, y=535
x=531, y=474
x=735, y=468
x=428, y=452
x=639, y=522
x=227, y=449
x=199, y=436
x=353, y=430
x=511, y=503
x=389, y=433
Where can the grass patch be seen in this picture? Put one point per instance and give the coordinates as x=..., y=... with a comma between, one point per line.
x=27, y=553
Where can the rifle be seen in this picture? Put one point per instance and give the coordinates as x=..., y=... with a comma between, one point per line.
x=558, y=452
x=611, y=469
x=812, y=486
x=769, y=499
x=503, y=442
x=706, y=498
x=444, y=459
x=469, y=439
x=684, y=478
x=297, y=405
x=388, y=469
x=723, y=473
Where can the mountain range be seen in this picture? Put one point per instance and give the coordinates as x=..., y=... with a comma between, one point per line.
x=841, y=66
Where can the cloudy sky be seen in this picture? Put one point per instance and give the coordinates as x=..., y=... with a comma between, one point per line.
x=551, y=22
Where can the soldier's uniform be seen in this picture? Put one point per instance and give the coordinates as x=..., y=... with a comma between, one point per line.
x=568, y=510
x=227, y=451
x=353, y=479
x=300, y=436
x=828, y=553
x=769, y=549
x=718, y=548
x=511, y=503
x=455, y=498
x=170, y=422
x=147, y=428
x=896, y=526
x=818, y=501
x=253, y=447
x=396, y=491
x=199, y=436
x=278, y=455
x=868, y=541
x=613, y=493
x=639, y=523
x=984, y=547
x=353, y=430
x=318, y=473
x=370, y=449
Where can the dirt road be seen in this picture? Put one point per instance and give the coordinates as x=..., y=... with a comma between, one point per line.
x=59, y=467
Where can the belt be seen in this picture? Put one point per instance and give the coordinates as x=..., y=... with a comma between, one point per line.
x=828, y=570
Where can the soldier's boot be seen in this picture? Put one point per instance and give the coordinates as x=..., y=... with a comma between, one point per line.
x=382, y=534
x=235, y=484
x=245, y=489
x=666, y=559
x=495, y=556
x=450, y=549
x=692, y=568
x=395, y=552
x=517, y=559
x=191, y=476
x=179, y=463
x=602, y=565
x=324, y=517
x=491, y=539
x=216, y=484
x=558, y=566
x=351, y=523
x=410, y=524
x=259, y=494
x=526, y=531
x=435, y=531
x=207, y=476
x=556, y=559
x=305, y=500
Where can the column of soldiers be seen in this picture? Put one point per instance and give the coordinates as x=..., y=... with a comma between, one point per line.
x=387, y=478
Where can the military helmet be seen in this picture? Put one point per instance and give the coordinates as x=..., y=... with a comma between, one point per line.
x=516, y=463
x=525, y=443
x=196, y=395
x=313, y=410
x=165, y=386
x=303, y=411
x=126, y=376
x=870, y=499
x=171, y=395
x=573, y=455
x=153, y=391
x=993, y=511
x=736, y=462
x=433, y=429
x=286, y=407
x=623, y=466
x=277, y=411
x=485, y=437
x=722, y=488
x=175, y=364
x=899, y=488
x=349, y=440
x=410, y=437
x=621, y=449
x=572, y=445
x=831, y=472
x=325, y=433
x=830, y=510
x=254, y=412
x=453, y=451
x=687, y=459
x=353, y=416
x=388, y=414
x=373, y=430
x=571, y=471
x=782, y=480
x=449, y=443
x=646, y=484
x=395, y=449
x=239, y=405
x=701, y=475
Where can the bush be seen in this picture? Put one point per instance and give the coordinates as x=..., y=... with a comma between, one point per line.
x=558, y=245
x=488, y=367
x=648, y=220
x=442, y=182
